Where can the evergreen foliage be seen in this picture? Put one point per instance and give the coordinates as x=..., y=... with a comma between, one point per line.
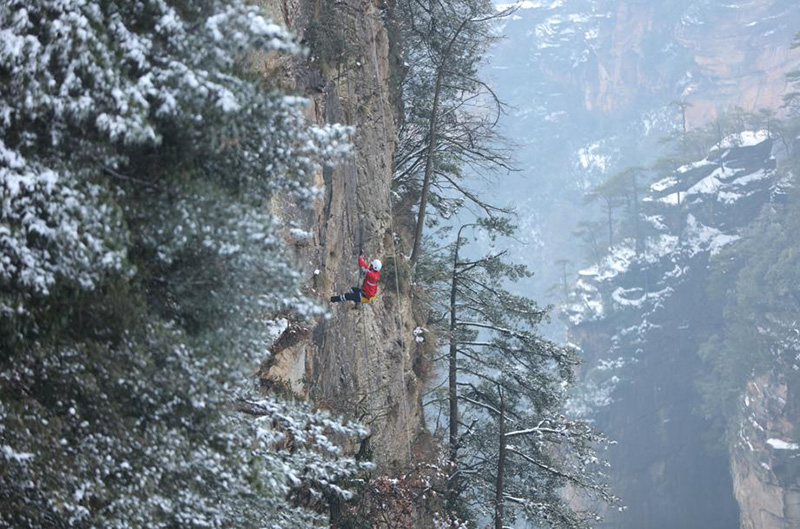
x=755, y=283
x=140, y=267
x=449, y=116
x=514, y=452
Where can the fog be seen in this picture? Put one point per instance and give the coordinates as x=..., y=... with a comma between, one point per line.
x=656, y=143
x=191, y=192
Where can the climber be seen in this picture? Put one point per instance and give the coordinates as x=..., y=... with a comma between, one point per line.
x=369, y=288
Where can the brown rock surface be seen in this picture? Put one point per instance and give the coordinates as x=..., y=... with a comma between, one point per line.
x=740, y=58
x=764, y=484
x=744, y=54
x=359, y=361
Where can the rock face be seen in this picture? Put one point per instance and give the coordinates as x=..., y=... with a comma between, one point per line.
x=640, y=319
x=618, y=56
x=734, y=54
x=741, y=54
x=359, y=361
x=765, y=478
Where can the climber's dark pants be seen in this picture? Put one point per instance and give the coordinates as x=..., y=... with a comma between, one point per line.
x=353, y=295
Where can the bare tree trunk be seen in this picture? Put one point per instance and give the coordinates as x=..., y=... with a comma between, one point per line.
x=426, y=183
x=683, y=116
x=637, y=226
x=501, y=467
x=452, y=484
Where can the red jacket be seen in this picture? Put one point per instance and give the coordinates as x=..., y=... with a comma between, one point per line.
x=370, y=285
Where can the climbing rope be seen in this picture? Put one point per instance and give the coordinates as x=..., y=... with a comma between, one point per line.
x=402, y=325
x=367, y=365
x=348, y=217
x=399, y=313
x=396, y=260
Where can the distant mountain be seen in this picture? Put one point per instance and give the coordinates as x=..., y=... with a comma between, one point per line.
x=592, y=84
x=641, y=318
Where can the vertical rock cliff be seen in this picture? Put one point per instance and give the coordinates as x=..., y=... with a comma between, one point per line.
x=763, y=457
x=714, y=55
x=641, y=318
x=620, y=57
x=359, y=361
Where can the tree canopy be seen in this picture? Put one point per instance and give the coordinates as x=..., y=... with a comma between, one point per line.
x=140, y=268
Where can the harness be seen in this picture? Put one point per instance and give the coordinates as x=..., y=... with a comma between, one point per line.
x=371, y=284
x=365, y=299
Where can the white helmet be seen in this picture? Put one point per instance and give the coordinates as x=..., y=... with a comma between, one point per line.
x=376, y=265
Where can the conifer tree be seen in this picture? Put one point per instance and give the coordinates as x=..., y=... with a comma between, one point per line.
x=510, y=445
x=450, y=114
x=140, y=269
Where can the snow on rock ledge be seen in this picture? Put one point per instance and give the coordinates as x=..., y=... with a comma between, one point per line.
x=780, y=444
x=692, y=216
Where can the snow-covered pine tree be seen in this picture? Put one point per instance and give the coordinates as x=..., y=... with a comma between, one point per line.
x=139, y=267
x=514, y=451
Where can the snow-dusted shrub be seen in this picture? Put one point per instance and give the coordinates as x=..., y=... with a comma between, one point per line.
x=121, y=437
x=53, y=227
x=97, y=95
x=139, y=266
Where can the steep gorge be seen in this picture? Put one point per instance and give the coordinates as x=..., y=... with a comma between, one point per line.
x=594, y=85
x=643, y=320
x=641, y=317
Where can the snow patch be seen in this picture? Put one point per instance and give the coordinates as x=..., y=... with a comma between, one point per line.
x=629, y=297
x=300, y=235
x=702, y=163
x=12, y=455
x=664, y=184
x=780, y=444
x=530, y=4
x=635, y=297
x=658, y=247
x=656, y=221
x=590, y=158
x=673, y=199
x=712, y=183
x=702, y=237
x=748, y=138
x=615, y=263
x=276, y=327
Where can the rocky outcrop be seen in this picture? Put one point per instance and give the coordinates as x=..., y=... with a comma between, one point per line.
x=764, y=466
x=358, y=361
x=619, y=57
x=732, y=55
x=640, y=318
x=741, y=54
